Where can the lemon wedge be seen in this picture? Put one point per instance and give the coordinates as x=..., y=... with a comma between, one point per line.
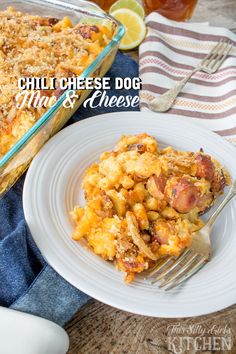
x=134, y=26
x=128, y=4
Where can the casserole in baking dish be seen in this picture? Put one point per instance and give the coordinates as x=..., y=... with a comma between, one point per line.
x=41, y=39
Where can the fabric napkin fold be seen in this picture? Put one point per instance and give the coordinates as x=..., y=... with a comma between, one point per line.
x=169, y=52
x=27, y=282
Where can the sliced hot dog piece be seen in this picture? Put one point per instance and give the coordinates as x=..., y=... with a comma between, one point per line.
x=205, y=202
x=161, y=231
x=137, y=147
x=205, y=167
x=86, y=31
x=218, y=182
x=52, y=21
x=156, y=186
x=182, y=195
x=58, y=92
x=186, y=196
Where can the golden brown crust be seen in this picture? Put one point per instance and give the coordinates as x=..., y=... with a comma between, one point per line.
x=143, y=203
x=34, y=46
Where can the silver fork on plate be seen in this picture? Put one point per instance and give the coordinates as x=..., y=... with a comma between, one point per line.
x=172, y=271
x=210, y=64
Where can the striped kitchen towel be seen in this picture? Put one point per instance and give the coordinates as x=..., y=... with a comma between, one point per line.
x=169, y=52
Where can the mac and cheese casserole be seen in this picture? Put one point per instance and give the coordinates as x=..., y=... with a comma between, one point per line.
x=143, y=203
x=34, y=46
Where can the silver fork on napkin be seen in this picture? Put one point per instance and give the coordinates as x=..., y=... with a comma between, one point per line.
x=210, y=64
x=172, y=271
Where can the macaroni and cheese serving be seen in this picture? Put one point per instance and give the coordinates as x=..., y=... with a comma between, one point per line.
x=143, y=203
x=35, y=46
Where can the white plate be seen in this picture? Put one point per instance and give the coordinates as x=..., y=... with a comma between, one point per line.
x=53, y=187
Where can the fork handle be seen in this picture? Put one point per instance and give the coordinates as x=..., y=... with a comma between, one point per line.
x=164, y=102
x=226, y=200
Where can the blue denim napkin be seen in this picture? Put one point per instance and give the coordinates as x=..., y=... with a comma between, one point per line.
x=27, y=282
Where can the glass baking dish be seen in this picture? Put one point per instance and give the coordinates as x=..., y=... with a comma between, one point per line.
x=17, y=159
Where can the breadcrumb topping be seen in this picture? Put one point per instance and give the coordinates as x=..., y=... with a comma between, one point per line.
x=34, y=46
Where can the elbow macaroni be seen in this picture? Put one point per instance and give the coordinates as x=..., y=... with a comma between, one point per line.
x=127, y=218
x=41, y=47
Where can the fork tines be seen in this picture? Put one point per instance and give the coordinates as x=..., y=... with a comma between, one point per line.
x=217, y=55
x=172, y=271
